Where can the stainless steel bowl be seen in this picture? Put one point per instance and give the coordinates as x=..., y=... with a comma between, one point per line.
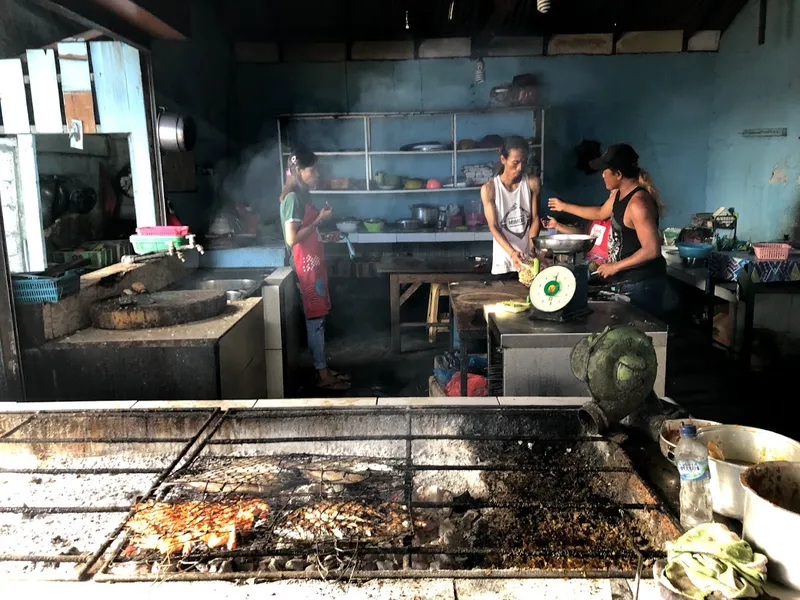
x=741, y=447
x=408, y=224
x=563, y=243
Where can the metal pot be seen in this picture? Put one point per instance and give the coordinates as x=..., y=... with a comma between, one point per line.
x=741, y=447
x=670, y=432
x=772, y=517
x=408, y=224
x=176, y=133
x=426, y=214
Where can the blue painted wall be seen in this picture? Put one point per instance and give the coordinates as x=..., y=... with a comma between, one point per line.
x=758, y=87
x=658, y=103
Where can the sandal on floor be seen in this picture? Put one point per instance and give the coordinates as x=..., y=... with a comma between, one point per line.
x=340, y=376
x=334, y=384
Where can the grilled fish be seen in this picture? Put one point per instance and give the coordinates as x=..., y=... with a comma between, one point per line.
x=342, y=520
x=169, y=528
x=245, y=475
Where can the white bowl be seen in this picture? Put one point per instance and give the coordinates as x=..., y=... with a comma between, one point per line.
x=347, y=226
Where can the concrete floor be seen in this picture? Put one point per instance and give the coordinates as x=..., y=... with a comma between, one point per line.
x=700, y=377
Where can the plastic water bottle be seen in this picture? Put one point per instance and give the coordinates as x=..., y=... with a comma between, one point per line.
x=691, y=456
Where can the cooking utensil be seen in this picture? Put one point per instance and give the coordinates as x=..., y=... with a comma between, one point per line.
x=772, y=517
x=742, y=447
x=564, y=243
x=670, y=434
x=374, y=225
x=425, y=213
x=408, y=224
x=176, y=133
x=694, y=249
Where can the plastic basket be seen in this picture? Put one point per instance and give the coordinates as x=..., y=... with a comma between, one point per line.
x=145, y=244
x=163, y=230
x=772, y=251
x=37, y=289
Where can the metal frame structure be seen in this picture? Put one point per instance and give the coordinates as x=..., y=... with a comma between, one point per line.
x=537, y=127
x=12, y=385
x=410, y=436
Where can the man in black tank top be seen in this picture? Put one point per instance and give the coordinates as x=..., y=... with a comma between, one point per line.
x=636, y=266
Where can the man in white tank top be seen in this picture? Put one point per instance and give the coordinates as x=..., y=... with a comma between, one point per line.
x=511, y=205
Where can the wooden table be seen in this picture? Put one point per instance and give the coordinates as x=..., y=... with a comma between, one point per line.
x=412, y=272
x=468, y=302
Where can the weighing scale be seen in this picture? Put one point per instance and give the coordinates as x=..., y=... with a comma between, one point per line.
x=561, y=292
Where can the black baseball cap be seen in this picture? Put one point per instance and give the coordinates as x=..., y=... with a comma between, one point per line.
x=619, y=157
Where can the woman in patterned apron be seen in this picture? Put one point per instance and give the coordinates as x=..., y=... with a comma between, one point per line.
x=306, y=250
x=635, y=265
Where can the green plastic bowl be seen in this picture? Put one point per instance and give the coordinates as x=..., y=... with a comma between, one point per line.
x=374, y=225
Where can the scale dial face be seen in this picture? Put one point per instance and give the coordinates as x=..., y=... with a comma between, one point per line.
x=552, y=289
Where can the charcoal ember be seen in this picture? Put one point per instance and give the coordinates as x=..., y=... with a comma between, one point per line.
x=315, y=569
x=419, y=563
x=243, y=566
x=296, y=564
x=220, y=565
x=201, y=567
x=273, y=563
x=447, y=533
x=386, y=565
x=164, y=568
x=331, y=562
x=368, y=566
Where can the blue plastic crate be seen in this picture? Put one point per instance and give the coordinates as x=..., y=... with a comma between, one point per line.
x=37, y=289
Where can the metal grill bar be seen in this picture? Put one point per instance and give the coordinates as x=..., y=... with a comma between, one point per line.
x=98, y=440
x=62, y=510
x=400, y=438
x=365, y=575
x=100, y=471
x=17, y=427
x=46, y=558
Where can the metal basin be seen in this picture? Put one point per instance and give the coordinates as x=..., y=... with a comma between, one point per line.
x=564, y=243
x=235, y=289
x=772, y=517
x=741, y=447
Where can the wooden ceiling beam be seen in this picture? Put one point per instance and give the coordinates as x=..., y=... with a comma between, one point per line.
x=93, y=16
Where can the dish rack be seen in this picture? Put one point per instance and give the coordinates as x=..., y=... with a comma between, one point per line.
x=771, y=251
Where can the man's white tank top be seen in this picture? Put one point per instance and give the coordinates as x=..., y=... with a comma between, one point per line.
x=514, y=219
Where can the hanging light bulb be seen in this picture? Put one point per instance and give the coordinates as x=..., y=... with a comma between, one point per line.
x=543, y=5
x=480, y=71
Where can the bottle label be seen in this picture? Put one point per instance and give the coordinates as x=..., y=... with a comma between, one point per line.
x=693, y=470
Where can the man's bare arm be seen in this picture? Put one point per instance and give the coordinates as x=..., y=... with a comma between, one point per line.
x=536, y=225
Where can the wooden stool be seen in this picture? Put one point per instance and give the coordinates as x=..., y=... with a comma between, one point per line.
x=437, y=290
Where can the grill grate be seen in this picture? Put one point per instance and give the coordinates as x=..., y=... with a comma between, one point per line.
x=524, y=495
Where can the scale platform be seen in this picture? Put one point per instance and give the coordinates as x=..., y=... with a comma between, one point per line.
x=560, y=293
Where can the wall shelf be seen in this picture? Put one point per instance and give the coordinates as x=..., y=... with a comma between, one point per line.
x=369, y=120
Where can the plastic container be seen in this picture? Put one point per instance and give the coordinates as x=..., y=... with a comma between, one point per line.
x=771, y=251
x=145, y=244
x=99, y=258
x=694, y=249
x=164, y=230
x=37, y=289
x=691, y=458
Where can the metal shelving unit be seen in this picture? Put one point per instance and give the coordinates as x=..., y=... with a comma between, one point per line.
x=537, y=134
